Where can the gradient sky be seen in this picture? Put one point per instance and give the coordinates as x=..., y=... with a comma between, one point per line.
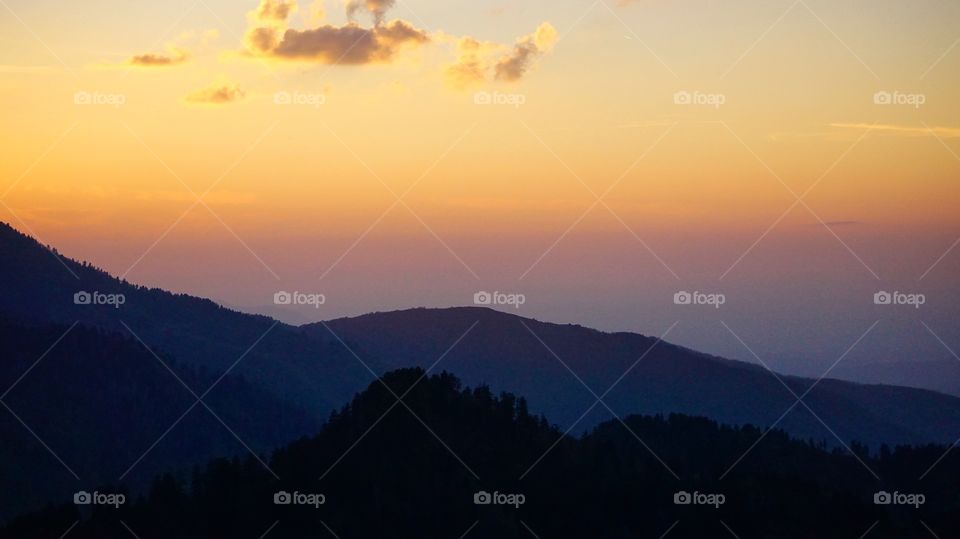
x=500, y=197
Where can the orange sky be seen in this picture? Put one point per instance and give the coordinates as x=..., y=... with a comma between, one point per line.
x=499, y=125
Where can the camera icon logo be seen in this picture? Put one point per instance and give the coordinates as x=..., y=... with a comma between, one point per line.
x=283, y=298
x=282, y=498
x=82, y=498
x=882, y=498
x=882, y=98
x=482, y=98
x=882, y=298
x=682, y=498
x=282, y=98
x=82, y=98
x=483, y=298
x=482, y=498
x=682, y=98
x=82, y=298
x=683, y=298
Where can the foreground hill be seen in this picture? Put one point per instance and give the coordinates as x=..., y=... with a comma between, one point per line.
x=378, y=470
x=106, y=408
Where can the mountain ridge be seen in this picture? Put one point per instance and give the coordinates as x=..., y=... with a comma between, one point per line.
x=561, y=369
x=624, y=479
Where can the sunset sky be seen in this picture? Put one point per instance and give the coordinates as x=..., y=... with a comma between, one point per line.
x=349, y=149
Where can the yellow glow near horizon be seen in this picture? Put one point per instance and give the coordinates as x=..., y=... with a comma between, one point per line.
x=199, y=114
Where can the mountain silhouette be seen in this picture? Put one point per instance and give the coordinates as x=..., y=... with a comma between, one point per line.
x=317, y=374
x=301, y=374
x=96, y=406
x=460, y=462
x=562, y=369
x=941, y=375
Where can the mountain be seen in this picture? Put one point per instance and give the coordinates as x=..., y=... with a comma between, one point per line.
x=314, y=373
x=939, y=375
x=86, y=407
x=647, y=376
x=461, y=462
x=100, y=398
x=301, y=374
x=310, y=368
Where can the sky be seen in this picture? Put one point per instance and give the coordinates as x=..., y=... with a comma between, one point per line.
x=796, y=157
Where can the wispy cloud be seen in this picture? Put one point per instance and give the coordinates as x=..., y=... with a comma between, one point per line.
x=836, y=224
x=478, y=61
x=23, y=69
x=175, y=52
x=159, y=60
x=217, y=94
x=902, y=130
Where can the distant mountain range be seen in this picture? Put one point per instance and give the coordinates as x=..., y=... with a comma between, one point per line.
x=291, y=378
x=938, y=375
x=643, y=375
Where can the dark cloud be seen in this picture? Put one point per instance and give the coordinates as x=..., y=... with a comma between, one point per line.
x=377, y=8
x=349, y=44
x=513, y=66
x=158, y=60
x=218, y=94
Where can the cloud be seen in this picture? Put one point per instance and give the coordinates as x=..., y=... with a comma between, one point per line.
x=269, y=35
x=209, y=36
x=23, y=69
x=317, y=12
x=513, y=66
x=903, y=130
x=274, y=11
x=159, y=60
x=472, y=62
x=834, y=224
x=349, y=44
x=176, y=52
x=377, y=8
x=217, y=94
x=477, y=61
